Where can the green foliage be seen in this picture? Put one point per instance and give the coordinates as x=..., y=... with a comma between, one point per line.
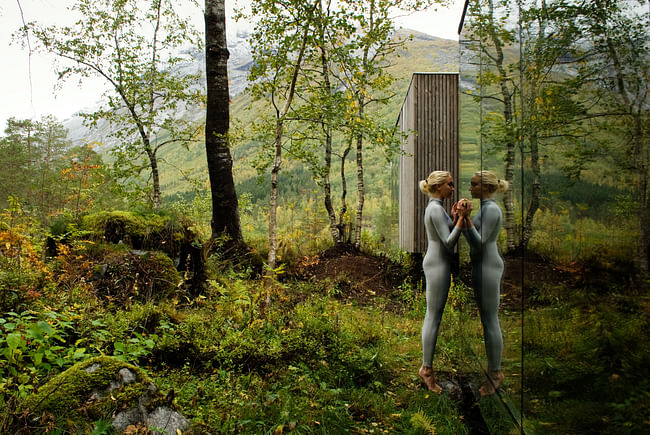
x=586, y=368
x=564, y=238
x=102, y=427
x=33, y=345
x=49, y=176
x=459, y=295
x=422, y=421
x=325, y=367
x=137, y=347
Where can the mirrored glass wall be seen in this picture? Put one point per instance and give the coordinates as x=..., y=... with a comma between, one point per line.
x=555, y=100
x=489, y=142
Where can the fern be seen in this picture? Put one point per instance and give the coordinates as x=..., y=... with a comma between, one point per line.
x=420, y=420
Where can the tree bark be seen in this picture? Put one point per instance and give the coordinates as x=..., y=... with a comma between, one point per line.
x=327, y=186
x=507, y=95
x=225, y=207
x=273, y=206
x=155, y=173
x=533, y=204
x=360, y=186
x=344, y=193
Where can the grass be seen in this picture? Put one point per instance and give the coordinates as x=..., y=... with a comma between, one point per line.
x=586, y=366
x=343, y=368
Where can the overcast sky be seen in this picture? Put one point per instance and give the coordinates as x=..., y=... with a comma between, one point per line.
x=35, y=98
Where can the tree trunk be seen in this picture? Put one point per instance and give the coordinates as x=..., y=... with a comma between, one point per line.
x=277, y=161
x=155, y=174
x=640, y=155
x=509, y=214
x=360, y=186
x=327, y=130
x=507, y=95
x=273, y=206
x=327, y=187
x=225, y=207
x=533, y=204
x=344, y=193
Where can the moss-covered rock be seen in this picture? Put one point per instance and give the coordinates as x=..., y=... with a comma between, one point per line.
x=135, y=275
x=121, y=253
x=106, y=388
x=135, y=230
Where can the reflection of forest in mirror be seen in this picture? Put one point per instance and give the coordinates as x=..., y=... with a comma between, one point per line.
x=561, y=90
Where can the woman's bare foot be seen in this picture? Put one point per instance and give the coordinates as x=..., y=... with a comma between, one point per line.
x=429, y=379
x=495, y=378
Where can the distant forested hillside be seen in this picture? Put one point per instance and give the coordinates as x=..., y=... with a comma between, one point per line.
x=425, y=54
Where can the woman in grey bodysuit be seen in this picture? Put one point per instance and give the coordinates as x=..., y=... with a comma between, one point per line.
x=487, y=268
x=442, y=235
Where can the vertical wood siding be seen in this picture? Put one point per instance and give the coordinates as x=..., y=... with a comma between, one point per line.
x=429, y=115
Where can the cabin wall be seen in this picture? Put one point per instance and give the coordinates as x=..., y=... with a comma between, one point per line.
x=429, y=115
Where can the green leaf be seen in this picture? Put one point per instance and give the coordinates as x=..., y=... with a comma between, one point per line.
x=37, y=358
x=14, y=340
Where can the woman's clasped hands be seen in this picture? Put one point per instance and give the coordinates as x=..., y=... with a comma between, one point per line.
x=461, y=212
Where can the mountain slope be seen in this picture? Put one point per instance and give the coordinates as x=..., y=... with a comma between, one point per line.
x=424, y=54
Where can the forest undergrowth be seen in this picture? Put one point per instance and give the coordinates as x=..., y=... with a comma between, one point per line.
x=334, y=352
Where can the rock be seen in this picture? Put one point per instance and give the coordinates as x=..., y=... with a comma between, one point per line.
x=105, y=388
x=452, y=387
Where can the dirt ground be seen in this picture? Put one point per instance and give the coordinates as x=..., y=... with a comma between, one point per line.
x=362, y=277
x=356, y=275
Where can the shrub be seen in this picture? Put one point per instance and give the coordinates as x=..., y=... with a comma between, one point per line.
x=23, y=276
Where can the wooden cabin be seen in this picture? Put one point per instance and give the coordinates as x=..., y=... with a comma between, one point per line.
x=429, y=118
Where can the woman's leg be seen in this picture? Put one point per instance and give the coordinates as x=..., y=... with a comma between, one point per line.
x=489, y=309
x=436, y=294
x=438, y=281
x=487, y=296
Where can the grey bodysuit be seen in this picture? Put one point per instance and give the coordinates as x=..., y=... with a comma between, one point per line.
x=442, y=235
x=487, y=269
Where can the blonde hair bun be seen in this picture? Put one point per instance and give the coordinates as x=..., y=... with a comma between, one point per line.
x=424, y=187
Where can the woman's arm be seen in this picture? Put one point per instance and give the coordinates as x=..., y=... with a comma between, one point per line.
x=489, y=225
x=440, y=221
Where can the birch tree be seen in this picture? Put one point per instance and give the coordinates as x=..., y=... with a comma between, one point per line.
x=490, y=36
x=615, y=72
x=532, y=104
x=364, y=74
x=225, y=207
x=136, y=48
x=279, y=42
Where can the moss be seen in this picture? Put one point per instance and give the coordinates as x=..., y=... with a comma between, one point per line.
x=164, y=275
x=119, y=238
x=126, y=227
x=78, y=396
